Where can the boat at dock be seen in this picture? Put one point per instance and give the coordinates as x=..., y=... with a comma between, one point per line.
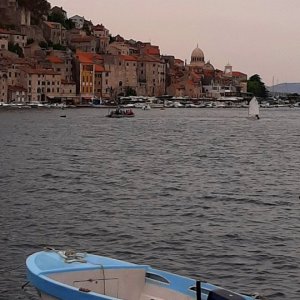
x=67, y=275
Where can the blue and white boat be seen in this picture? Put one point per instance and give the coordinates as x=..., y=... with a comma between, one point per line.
x=67, y=275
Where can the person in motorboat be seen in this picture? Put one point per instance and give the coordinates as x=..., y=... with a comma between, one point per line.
x=129, y=112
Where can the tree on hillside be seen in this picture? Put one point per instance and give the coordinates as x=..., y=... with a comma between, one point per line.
x=57, y=17
x=111, y=39
x=38, y=8
x=60, y=18
x=257, y=87
x=87, y=27
x=16, y=49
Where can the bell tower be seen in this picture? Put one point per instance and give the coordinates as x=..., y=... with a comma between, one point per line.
x=228, y=70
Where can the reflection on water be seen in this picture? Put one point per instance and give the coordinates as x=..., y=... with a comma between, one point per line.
x=200, y=192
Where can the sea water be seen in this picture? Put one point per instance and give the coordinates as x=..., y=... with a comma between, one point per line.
x=205, y=193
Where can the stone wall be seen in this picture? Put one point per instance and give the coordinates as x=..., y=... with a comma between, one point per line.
x=33, y=32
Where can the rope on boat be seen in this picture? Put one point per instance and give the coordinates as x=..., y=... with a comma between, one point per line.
x=69, y=256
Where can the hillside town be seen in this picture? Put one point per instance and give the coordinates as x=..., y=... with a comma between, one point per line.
x=70, y=60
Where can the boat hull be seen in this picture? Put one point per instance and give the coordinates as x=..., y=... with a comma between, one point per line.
x=120, y=116
x=57, y=275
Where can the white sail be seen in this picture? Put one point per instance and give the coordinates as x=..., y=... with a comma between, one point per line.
x=253, y=107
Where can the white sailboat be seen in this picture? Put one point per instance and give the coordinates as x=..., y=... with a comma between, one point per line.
x=253, y=110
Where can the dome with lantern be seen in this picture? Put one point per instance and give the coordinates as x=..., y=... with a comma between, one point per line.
x=197, y=57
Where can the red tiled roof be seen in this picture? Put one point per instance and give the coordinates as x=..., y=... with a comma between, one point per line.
x=99, y=68
x=154, y=50
x=51, y=24
x=55, y=59
x=128, y=57
x=88, y=57
x=238, y=74
x=40, y=71
x=3, y=31
x=148, y=58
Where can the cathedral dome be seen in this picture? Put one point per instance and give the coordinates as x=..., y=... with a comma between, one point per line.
x=197, y=53
x=197, y=58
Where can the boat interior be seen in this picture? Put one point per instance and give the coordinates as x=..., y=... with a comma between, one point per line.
x=133, y=283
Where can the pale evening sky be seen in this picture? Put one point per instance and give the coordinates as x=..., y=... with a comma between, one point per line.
x=254, y=36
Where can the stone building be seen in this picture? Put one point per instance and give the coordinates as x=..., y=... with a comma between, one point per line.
x=13, y=37
x=118, y=48
x=87, y=70
x=41, y=84
x=19, y=38
x=17, y=94
x=151, y=76
x=62, y=61
x=78, y=21
x=84, y=43
x=120, y=75
x=4, y=38
x=102, y=38
x=54, y=32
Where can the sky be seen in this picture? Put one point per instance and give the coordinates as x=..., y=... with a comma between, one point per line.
x=254, y=36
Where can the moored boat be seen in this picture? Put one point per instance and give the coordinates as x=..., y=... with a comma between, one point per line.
x=67, y=275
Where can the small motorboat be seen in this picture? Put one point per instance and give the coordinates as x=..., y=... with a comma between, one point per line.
x=68, y=275
x=121, y=113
